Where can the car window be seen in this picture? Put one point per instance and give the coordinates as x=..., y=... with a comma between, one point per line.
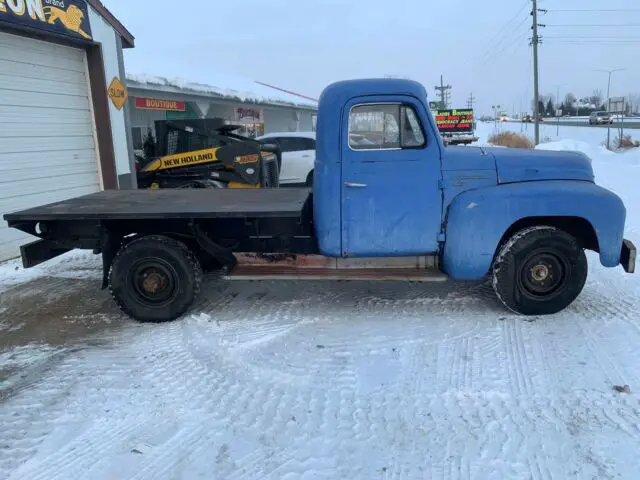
x=384, y=126
x=308, y=143
x=294, y=144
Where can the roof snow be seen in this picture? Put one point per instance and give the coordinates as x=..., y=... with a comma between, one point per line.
x=226, y=86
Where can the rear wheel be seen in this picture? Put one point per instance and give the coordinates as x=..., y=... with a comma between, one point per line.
x=539, y=271
x=155, y=278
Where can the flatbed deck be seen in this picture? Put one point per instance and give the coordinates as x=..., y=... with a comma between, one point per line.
x=171, y=204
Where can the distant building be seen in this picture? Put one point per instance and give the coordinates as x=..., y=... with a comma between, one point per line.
x=260, y=108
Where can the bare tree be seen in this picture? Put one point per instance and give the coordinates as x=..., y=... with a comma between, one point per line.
x=570, y=99
x=596, y=97
x=633, y=100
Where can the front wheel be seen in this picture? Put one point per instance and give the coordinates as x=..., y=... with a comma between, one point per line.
x=539, y=271
x=155, y=278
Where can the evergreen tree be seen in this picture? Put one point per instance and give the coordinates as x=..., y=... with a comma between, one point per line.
x=551, y=110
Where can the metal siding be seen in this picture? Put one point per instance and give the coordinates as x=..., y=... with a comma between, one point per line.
x=47, y=149
x=279, y=120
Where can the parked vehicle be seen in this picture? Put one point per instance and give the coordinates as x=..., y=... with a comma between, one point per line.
x=298, y=156
x=600, y=118
x=206, y=153
x=389, y=202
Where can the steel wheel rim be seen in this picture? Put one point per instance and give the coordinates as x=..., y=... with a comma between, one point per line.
x=154, y=281
x=543, y=275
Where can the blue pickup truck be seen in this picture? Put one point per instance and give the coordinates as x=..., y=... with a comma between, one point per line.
x=389, y=202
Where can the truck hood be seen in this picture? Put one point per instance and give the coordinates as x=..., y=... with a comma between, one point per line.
x=520, y=165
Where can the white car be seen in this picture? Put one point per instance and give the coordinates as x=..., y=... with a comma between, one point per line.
x=298, y=156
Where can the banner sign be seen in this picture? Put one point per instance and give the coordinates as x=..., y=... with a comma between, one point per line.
x=66, y=17
x=143, y=103
x=454, y=121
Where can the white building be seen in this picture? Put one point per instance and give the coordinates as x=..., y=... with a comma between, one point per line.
x=259, y=107
x=61, y=135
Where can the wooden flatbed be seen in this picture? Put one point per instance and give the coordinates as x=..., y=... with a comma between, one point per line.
x=172, y=204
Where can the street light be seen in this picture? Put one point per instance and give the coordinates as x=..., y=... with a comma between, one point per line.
x=609, y=98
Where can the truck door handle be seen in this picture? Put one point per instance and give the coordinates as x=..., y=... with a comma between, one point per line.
x=355, y=185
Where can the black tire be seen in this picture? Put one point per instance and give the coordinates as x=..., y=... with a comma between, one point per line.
x=309, y=182
x=155, y=278
x=539, y=271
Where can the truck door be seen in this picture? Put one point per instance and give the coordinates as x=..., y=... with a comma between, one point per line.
x=391, y=201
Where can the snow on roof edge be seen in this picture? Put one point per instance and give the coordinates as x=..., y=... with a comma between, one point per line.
x=244, y=90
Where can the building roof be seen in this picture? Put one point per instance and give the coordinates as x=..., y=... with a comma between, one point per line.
x=224, y=86
x=127, y=38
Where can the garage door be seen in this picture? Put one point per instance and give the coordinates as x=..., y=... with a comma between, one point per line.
x=47, y=149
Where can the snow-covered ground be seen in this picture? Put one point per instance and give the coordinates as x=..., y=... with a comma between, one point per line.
x=592, y=137
x=328, y=380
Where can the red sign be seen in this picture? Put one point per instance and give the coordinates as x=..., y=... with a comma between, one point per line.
x=243, y=112
x=143, y=103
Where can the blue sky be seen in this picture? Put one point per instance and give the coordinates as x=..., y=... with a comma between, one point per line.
x=479, y=46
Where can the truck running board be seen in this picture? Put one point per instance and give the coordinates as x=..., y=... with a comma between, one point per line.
x=278, y=272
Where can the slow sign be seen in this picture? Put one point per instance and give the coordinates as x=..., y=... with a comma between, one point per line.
x=117, y=93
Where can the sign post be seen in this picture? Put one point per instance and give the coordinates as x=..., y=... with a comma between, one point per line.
x=615, y=105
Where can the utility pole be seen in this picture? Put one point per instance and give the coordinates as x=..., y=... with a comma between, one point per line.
x=471, y=101
x=536, y=94
x=495, y=116
x=558, y=119
x=443, y=91
x=609, y=99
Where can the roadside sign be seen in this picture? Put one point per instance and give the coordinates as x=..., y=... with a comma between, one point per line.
x=615, y=105
x=454, y=121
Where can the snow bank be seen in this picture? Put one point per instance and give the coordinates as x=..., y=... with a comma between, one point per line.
x=227, y=86
x=570, y=145
x=74, y=264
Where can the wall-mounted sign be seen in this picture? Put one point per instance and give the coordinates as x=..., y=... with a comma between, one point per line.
x=118, y=93
x=143, y=103
x=245, y=113
x=66, y=17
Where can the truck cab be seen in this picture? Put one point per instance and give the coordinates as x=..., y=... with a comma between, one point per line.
x=390, y=201
x=378, y=171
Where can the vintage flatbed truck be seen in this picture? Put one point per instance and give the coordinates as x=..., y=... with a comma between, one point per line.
x=389, y=202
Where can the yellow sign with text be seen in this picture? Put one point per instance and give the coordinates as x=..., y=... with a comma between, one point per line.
x=118, y=93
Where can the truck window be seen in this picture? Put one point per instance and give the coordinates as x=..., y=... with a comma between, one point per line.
x=384, y=126
x=412, y=134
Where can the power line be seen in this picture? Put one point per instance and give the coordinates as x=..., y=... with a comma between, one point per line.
x=617, y=25
x=598, y=10
x=502, y=35
x=509, y=22
x=568, y=40
x=598, y=42
x=507, y=41
x=591, y=37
